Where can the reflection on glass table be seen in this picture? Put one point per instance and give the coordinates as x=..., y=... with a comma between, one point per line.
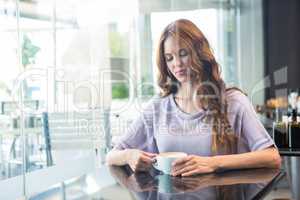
x=121, y=183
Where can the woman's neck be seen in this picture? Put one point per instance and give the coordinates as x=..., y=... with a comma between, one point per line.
x=186, y=91
x=186, y=100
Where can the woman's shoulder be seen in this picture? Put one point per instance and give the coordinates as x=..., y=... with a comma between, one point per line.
x=237, y=99
x=157, y=102
x=158, y=99
x=236, y=94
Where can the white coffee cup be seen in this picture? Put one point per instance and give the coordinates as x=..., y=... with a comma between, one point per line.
x=164, y=161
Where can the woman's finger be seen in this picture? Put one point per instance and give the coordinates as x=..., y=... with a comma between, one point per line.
x=144, y=163
x=199, y=170
x=181, y=160
x=184, y=170
x=149, y=154
x=147, y=159
x=183, y=165
x=190, y=173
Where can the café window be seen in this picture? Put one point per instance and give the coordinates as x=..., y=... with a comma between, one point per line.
x=66, y=56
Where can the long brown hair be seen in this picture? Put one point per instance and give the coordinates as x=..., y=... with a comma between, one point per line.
x=205, y=71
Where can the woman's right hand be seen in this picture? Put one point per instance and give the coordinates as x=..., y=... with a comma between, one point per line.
x=139, y=160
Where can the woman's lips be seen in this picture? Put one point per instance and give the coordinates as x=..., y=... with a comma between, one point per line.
x=181, y=72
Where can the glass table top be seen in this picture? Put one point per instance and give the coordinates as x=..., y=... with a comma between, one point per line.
x=120, y=183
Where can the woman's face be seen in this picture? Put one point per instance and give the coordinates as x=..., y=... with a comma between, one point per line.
x=178, y=58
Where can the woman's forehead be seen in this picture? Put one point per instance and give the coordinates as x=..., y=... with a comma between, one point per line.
x=173, y=42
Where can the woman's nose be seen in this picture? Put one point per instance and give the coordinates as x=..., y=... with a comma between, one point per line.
x=177, y=62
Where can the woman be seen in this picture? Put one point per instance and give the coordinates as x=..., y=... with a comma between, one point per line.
x=195, y=114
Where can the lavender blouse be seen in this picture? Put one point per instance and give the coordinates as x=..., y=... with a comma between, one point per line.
x=162, y=127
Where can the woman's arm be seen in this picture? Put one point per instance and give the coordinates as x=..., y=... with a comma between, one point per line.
x=192, y=164
x=268, y=158
x=117, y=157
x=136, y=159
x=253, y=176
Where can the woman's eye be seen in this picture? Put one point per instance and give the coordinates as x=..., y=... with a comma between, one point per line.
x=183, y=52
x=169, y=58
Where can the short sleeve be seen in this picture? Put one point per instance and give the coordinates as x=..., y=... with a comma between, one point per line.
x=252, y=130
x=140, y=134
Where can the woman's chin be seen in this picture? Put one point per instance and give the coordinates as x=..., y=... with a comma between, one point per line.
x=183, y=80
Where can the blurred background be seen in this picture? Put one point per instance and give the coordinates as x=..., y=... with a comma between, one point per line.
x=74, y=73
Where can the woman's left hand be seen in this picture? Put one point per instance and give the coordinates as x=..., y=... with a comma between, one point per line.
x=192, y=165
